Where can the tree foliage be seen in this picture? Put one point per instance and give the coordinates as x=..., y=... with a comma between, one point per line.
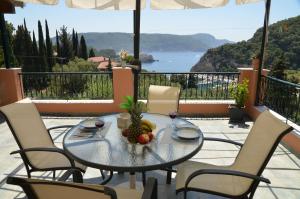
x=66, y=49
x=83, y=49
x=284, y=38
x=92, y=53
x=49, y=47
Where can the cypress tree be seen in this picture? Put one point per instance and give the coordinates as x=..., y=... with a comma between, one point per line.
x=66, y=44
x=74, y=43
x=57, y=45
x=12, y=58
x=18, y=46
x=83, y=49
x=49, y=48
x=27, y=59
x=92, y=53
x=35, y=54
x=42, y=50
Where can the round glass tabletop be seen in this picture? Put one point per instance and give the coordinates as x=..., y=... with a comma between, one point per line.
x=113, y=152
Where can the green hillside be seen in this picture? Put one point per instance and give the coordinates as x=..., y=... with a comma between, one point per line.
x=284, y=38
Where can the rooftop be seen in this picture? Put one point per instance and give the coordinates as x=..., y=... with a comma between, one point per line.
x=283, y=168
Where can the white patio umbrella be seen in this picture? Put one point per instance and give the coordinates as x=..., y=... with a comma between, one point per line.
x=131, y=4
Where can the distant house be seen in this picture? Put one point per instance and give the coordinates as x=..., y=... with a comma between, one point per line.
x=103, y=62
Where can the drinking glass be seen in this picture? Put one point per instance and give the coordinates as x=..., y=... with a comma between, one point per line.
x=173, y=115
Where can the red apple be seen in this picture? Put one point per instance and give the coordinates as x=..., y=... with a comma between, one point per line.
x=151, y=136
x=143, y=139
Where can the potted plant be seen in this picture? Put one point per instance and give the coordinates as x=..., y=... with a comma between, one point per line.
x=240, y=93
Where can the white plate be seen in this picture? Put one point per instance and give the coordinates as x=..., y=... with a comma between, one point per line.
x=88, y=124
x=188, y=133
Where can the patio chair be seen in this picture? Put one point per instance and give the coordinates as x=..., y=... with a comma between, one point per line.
x=36, y=146
x=240, y=179
x=163, y=99
x=41, y=189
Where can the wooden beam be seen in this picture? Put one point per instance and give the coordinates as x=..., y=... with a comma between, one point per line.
x=7, y=6
x=263, y=48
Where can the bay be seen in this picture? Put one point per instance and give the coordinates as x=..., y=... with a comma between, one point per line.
x=173, y=61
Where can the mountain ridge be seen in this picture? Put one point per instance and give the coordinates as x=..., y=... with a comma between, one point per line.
x=150, y=42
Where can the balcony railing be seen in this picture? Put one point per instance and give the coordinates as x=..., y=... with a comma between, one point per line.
x=194, y=86
x=281, y=96
x=68, y=85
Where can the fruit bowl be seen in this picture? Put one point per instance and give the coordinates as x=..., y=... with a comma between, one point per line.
x=144, y=137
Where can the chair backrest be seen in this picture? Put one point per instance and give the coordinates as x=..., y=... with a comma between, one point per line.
x=42, y=189
x=27, y=125
x=163, y=99
x=260, y=144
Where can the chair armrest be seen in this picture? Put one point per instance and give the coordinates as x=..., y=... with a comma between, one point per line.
x=150, y=189
x=223, y=140
x=44, y=149
x=60, y=127
x=225, y=172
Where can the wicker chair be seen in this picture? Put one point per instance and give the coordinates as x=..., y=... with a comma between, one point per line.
x=36, y=146
x=41, y=189
x=240, y=179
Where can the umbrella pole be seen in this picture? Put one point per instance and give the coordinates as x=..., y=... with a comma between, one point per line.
x=136, y=47
x=262, y=49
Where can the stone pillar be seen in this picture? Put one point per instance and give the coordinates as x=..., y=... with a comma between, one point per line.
x=11, y=87
x=251, y=75
x=122, y=84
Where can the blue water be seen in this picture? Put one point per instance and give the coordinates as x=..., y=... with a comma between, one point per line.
x=173, y=61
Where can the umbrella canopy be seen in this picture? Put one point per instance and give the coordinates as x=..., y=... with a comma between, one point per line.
x=131, y=4
x=193, y=4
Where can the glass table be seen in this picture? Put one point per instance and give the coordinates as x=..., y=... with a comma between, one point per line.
x=114, y=153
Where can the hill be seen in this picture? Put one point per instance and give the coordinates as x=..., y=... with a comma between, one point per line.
x=284, y=38
x=153, y=42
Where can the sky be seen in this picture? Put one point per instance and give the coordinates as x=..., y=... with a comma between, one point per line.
x=231, y=22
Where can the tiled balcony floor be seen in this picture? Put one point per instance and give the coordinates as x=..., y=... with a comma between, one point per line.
x=283, y=169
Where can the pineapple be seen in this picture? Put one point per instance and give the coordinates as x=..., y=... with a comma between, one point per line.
x=135, y=111
x=135, y=128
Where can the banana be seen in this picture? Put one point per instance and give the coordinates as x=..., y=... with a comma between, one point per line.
x=146, y=128
x=149, y=124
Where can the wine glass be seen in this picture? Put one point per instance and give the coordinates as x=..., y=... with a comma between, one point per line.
x=173, y=115
x=99, y=124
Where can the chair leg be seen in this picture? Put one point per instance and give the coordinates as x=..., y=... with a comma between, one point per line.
x=53, y=177
x=102, y=174
x=144, y=178
x=169, y=177
x=77, y=177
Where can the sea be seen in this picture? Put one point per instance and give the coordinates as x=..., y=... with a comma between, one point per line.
x=172, y=61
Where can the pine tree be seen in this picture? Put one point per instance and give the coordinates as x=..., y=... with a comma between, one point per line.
x=35, y=54
x=82, y=48
x=42, y=50
x=57, y=45
x=49, y=47
x=66, y=44
x=92, y=53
